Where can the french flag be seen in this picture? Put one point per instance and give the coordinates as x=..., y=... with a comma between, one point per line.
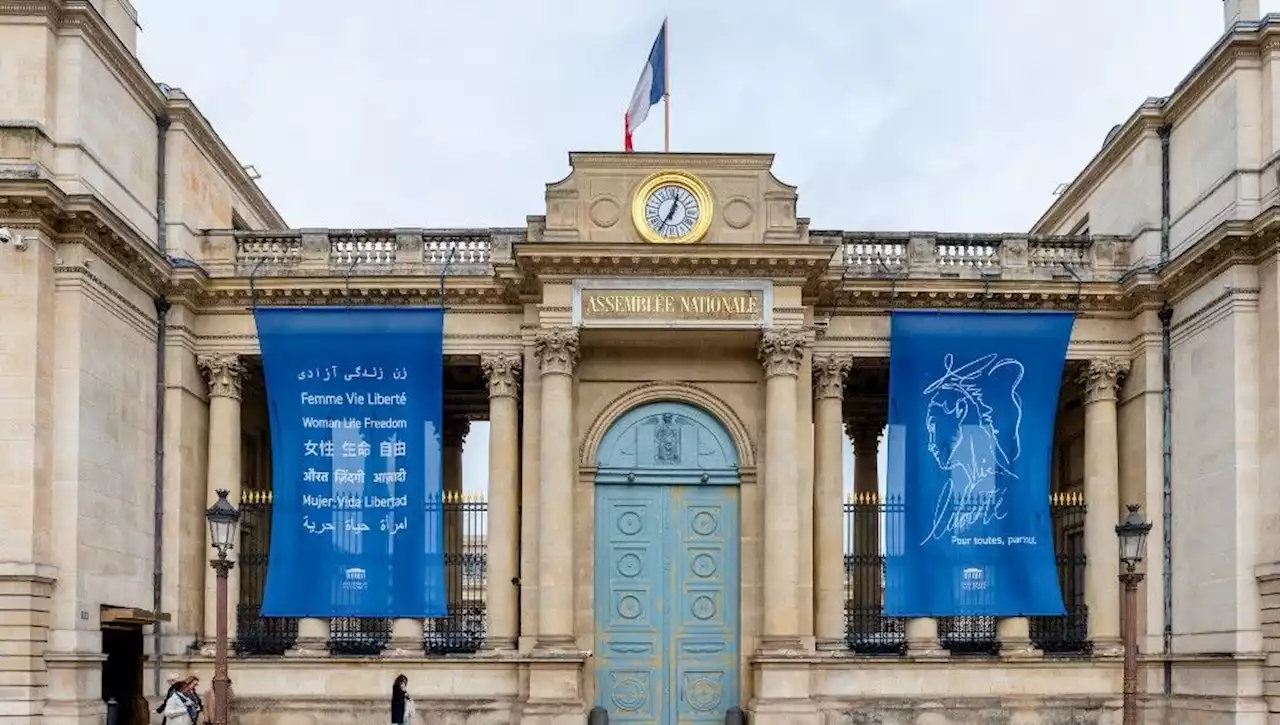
x=651, y=88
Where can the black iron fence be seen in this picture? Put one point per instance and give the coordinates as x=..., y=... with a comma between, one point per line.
x=869, y=631
x=465, y=517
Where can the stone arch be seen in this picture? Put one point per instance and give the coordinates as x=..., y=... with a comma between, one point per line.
x=684, y=393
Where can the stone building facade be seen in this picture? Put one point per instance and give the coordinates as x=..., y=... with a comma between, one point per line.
x=131, y=387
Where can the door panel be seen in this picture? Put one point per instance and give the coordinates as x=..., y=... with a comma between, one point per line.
x=629, y=610
x=704, y=639
x=666, y=603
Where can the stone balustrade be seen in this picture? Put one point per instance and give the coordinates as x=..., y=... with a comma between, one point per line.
x=321, y=252
x=924, y=255
x=472, y=252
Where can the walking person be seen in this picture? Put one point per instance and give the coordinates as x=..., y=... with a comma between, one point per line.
x=181, y=705
x=402, y=710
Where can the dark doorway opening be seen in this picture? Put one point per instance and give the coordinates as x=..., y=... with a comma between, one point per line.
x=122, y=672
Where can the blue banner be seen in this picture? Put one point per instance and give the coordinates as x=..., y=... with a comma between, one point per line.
x=972, y=401
x=354, y=396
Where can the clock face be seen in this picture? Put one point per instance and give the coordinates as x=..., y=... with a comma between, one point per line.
x=671, y=211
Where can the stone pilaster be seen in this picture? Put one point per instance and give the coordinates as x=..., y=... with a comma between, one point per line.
x=313, y=637
x=557, y=351
x=782, y=353
x=224, y=374
x=1101, y=381
x=502, y=371
x=829, y=373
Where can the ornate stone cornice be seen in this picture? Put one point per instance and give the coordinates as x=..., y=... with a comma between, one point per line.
x=557, y=350
x=223, y=373
x=829, y=373
x=781, y=352
x=1101, y=378
x=502, y=371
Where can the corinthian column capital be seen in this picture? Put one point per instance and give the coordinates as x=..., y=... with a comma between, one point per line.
x=1102, y=378
x=782, y=352
x=502, y=371
x=557, y=350
x=829, y=373
x=456, y=428
x=223, y=373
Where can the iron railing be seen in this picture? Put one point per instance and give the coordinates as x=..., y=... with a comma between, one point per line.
x=463, y=631
x=870, y=520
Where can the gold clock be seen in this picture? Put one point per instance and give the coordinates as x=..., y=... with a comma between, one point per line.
x=672, y=207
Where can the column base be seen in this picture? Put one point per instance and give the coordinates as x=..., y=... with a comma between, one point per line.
x=922, y=639
x=309, y=648
x=403, y=648
x=826, y=644
x=555, y=693
x=499, y=644
x=1014, y=635
x=555, y=644
x=785, y=646
x=783, y=694
x=1107, y=647
x=526, y=643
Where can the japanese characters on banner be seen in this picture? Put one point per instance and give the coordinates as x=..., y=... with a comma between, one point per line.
x=972, y=401
x=355, y=404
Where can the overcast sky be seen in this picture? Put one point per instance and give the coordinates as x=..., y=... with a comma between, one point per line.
x=945, y=115
x=952, y=115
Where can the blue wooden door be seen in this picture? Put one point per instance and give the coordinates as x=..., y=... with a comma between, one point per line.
x=666, y=569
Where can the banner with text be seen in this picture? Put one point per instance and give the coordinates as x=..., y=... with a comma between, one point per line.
x=355, y=403
x=972, y=401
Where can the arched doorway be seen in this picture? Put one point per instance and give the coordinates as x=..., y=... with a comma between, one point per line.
x=666, y=567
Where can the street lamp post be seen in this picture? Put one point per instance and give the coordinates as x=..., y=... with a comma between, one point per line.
x=223, y=518
x=1133, y=547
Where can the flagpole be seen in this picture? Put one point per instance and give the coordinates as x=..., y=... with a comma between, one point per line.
x=666, y=88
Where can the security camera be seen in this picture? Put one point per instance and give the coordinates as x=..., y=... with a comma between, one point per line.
x=7, y=235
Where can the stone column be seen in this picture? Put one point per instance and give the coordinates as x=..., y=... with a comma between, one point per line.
x=502, y=370
x=865, y=433
x=829, y=374
x=454, y=435
x=557, y=351
x=781, y=352
x=224, y=374
x=530, y=518
x=1101, y=381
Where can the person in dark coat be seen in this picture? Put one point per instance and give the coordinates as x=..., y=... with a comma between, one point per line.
x=402, y=710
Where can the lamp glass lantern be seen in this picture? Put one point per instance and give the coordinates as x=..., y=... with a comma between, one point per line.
x=222, y=517
x=1133, y=537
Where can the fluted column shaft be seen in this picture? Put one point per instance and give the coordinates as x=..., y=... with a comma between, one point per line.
x=1101, y=381
x=828, y=505
x=781, y=352
x=503, y=373
x=557, y=351
x=224, y=374
x=530, y=516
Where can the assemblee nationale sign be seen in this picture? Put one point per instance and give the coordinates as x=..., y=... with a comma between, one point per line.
x=746, y=306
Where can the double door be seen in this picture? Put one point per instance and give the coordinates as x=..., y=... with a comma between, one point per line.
x=666, y=603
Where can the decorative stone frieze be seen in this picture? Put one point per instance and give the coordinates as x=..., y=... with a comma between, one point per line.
x=224, y=374
x=1102, y=378
x=557, y=350
x=829, y=373
x=782, y=352
x=502, y=371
